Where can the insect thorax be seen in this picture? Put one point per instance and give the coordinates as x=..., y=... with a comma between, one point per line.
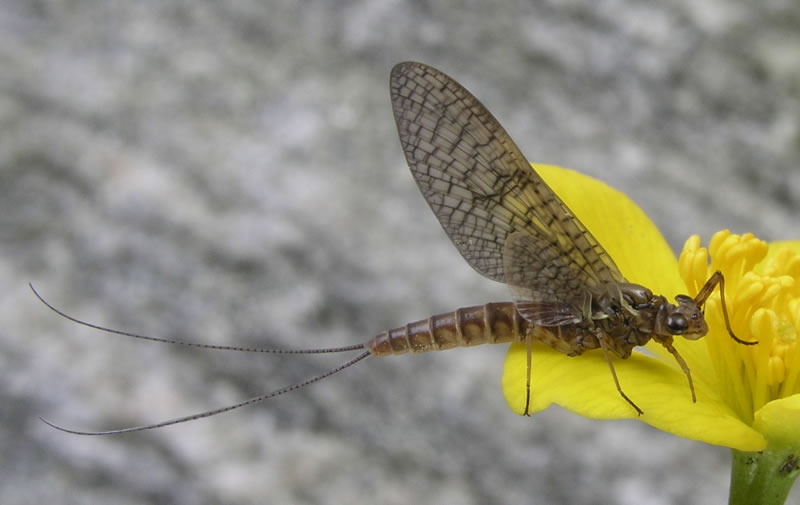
x=627, y=315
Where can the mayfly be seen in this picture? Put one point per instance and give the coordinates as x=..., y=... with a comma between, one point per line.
x=512, y=228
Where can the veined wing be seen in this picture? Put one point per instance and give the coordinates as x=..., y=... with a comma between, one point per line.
x=481, y=188
x=548, y=289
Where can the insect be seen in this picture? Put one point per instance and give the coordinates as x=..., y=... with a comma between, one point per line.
x=512, y=228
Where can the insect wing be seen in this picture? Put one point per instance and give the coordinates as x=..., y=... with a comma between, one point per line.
x=548, y=288
x=482, y=190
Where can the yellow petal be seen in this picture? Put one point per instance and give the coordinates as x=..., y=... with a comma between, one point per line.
x=584, y=384
x=658, y=389
x=621, y=227
x=779, y=421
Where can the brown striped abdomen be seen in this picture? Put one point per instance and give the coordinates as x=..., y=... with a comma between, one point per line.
x=492, y=323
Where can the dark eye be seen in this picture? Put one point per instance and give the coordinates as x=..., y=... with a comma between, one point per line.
x=677, y=324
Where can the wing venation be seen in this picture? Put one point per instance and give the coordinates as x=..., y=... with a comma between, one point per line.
x=482, y=190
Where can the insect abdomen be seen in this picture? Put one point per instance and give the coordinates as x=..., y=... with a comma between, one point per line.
x=492, y=323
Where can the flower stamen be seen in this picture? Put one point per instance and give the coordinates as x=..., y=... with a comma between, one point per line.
x=764, y=306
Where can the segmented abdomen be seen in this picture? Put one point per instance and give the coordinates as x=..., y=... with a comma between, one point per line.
x=492, y=323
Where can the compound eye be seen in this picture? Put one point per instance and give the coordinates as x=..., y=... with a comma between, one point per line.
x=677, y=324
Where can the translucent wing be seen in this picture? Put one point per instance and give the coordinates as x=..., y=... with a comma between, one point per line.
x=560, y=290
x=482, y=190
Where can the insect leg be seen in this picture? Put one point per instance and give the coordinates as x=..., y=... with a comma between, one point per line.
x=624, y=303
x=683, y=365
x=705, y=292
x=601, y=339
x=528, y=349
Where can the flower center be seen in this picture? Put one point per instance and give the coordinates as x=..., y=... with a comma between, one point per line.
x=762, y=289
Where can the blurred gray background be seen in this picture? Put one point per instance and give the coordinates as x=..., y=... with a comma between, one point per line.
x=230, y=173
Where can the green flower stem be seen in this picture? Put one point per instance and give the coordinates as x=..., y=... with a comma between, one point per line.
x=763, y=478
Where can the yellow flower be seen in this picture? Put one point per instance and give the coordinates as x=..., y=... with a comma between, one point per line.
x=747, y=396
x=760, y=383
